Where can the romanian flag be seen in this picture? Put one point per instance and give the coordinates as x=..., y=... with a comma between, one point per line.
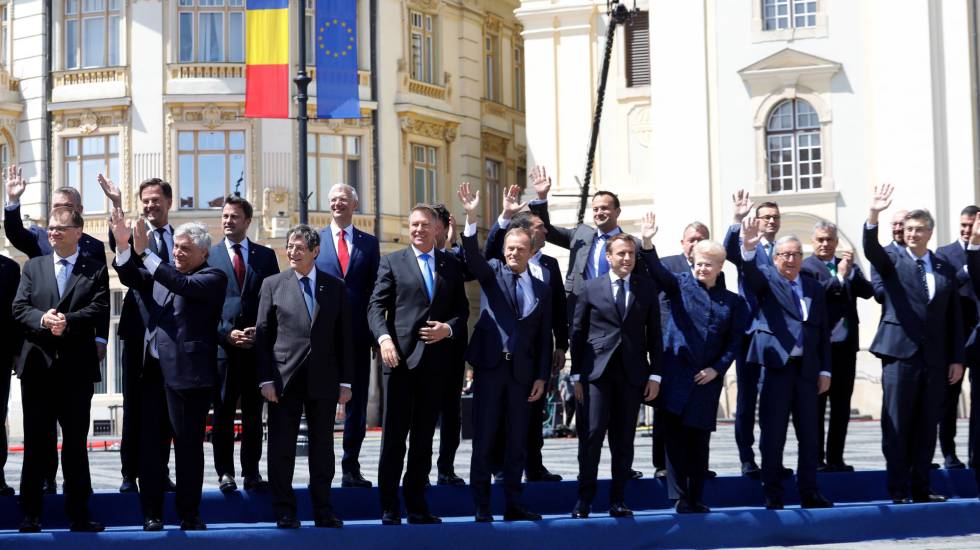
x=267, y=58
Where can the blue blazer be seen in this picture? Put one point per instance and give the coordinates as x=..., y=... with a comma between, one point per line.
x=362, y=272
x=973, y=341
x=529, y=337
x=955, y=255
x=241, y=304
x=703, y=330
x=778, y=320
x=841, y=297
x=552, y=277
x=733, y=252
x=598, y=331
x=910, y=324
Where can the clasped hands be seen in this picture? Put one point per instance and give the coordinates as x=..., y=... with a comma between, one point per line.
x=54, y=321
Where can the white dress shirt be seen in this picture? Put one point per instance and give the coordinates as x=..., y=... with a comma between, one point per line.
x=600, y=247
x=58, y=267
x=422, y=267
x=930, y=275
x=348, y=238
x=231, y=251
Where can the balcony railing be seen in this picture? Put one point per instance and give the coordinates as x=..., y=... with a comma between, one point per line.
x=206, y=70
x=90, y=76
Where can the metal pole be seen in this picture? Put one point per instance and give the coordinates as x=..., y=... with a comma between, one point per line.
x=302, y=81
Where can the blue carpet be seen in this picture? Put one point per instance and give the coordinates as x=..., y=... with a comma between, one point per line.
x=241, y=520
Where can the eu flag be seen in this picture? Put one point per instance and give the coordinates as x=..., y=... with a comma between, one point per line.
x=336, y=59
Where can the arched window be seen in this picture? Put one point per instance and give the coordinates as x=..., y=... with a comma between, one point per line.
x=793, y=147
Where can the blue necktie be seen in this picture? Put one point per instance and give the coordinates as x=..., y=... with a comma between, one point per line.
x=63, y=274
x=307, y=295
x=430, y=284
x=799, y=309
x=621, y=298
x=922, y=277
x=518, y=295
x=603, y=262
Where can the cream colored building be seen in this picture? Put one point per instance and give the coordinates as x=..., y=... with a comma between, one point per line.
x=805, y=102
x=145, y=88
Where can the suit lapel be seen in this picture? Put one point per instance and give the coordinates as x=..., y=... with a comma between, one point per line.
x=789, y=298
x=250, y=265
x=76, y=272
x=937, y=268
x=51, y=281
x=412, y=264
x=221, y=261
x=331, y=251
x=318, y=294
x=294, y=294
x=631, y=297
x=355, y=254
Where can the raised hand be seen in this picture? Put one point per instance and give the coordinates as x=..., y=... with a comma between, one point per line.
x=846, y=263
x=882, y=197
x=975, y=232
x=120, y=229
x=742, y=204
x=541, y=182
x=512, y=202
x=648, y=229
x=111, y=191
x=750, y=234
x=469, y=200
x=451, y=232
x=15, y=184
x=140, y=238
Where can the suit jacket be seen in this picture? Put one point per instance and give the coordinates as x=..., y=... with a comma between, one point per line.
x=598, y=331
x=400, y=304
x=733, y=252
x=972, y=351
x=552, y=277
x=85, y=304
x=241, y=305
x=909, y=323
x=362, y=271
x=580, y=243
x=529, y=337
x=13, y=337
x=876, y=279
x=678, y=264
x=778, y=320
x=955, y=255
x=131, y=325
x=185, y=324
x=703, y=330
x=286, y=339
x=841, y=297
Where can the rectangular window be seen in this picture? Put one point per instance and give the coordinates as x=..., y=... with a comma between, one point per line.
x=92, y=31
x=785, y=14
x=495, y=187
x=519, y=78
x=332, y=159
x=491, y=67
x=638, y=50
x=4, y=12
x=424, y=170
x=422, y=45
x=118, y=363
x=87, y=157
x=209, y=166
x=310, y=18
x=213, y=31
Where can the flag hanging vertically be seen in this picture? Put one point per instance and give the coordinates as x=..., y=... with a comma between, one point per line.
x=336, y=59
x=267, y=58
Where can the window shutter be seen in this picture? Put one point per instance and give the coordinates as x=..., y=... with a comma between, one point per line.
x=638, y=50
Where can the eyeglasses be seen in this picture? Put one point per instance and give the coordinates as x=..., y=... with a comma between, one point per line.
x=60, y=228
x=774, y=218
x=789, y=255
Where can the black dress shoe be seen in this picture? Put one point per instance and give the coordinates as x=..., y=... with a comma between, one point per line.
x=30, y=525
x=498, y=477
x=169, y=486
x=193, y=524
x=128, y=486
x=287, y=522
x=6, y=490
x=953, y=463
x=543, y=475
x=581, y=510
x=900, y=499
x=684, y=506
x=934, y=466
x=423, y=518
x=389, y=517
x=255, y=483
x=328, y=521
x=619, y=510
x=50, y=487
x=517, y=513
x=821, y=466
x=660, y=473
x=710, y=474
x=483, y=515
x=774, y=503
x=86, y=527
x=226, y=484
x=839, y=467
x=153, y=524
x=356, y=480
x=787, y=472
x=928, y=498
x=699, y=507
x=750, y=469
x=450, y=478
x=635, y=474
x=815, y=500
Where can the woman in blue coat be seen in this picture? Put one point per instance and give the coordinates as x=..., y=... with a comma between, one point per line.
x=702, y=335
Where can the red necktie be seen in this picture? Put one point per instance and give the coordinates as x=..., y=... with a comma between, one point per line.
x=238, y=264
x=342, y=253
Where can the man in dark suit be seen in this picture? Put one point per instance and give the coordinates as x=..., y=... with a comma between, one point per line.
x=180, y=305
x=33, y=242
x=617, y=349
x=511, y=354
x=246, y=264
x=418, y=305
x=354, y=260
x=545, y=269
x=747, y=374
x=792, y=342
x=954, y=254
x=9, y=350
x=156, y=198
x=843, y=284
x=972, y=351
x=62, y=300
x=303, y=343
x=920, y=344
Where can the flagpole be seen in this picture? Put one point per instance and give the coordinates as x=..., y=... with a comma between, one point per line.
x=302, y=81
